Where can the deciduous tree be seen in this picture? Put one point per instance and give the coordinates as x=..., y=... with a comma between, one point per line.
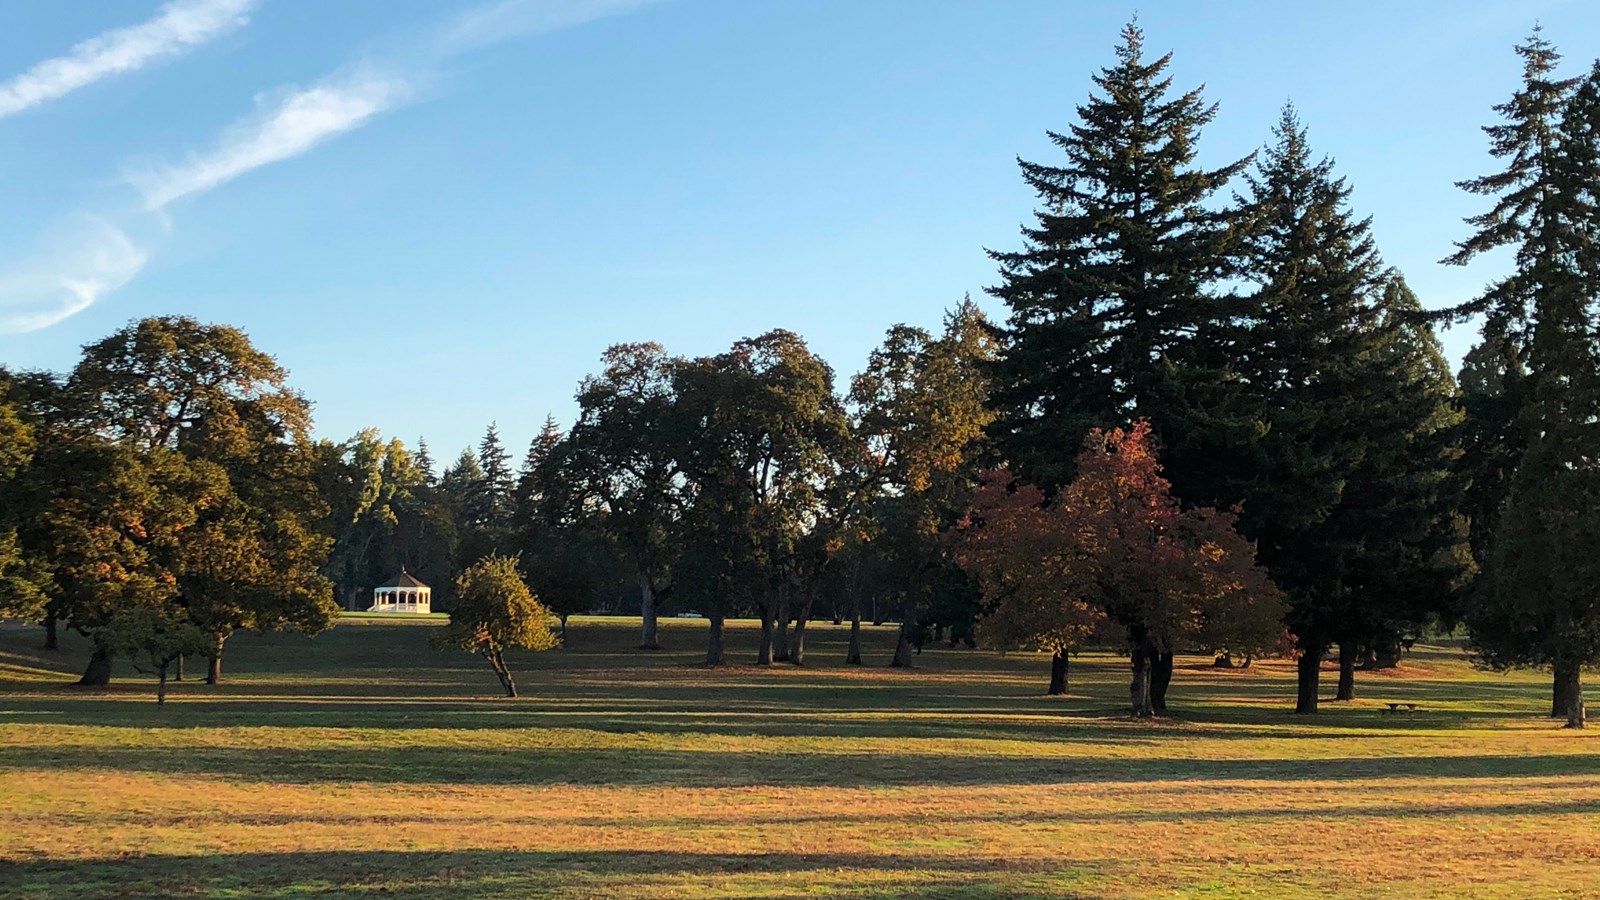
x=624, y=462
x=493, y=612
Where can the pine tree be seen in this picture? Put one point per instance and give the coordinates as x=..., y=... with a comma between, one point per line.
x=1492, y=381
x=498, y=480
x=1306, y=372
x=1403, y=490
x=1526, y=139
x=462, y=492
x=1495, y=382
x=1113, y=282
x=425, y=462
x=1537, y=604
x=530, y=498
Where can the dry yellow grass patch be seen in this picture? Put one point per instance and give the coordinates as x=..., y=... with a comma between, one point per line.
x=362, y=762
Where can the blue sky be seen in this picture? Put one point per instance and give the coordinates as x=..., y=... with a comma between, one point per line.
x=437, y=216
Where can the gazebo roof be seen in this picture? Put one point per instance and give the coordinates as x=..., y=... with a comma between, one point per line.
x=403, y=580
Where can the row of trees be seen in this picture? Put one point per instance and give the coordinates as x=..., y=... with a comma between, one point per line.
x=1324, y=481
x=161, y=497
x=1286, y=372
x=1282, y=368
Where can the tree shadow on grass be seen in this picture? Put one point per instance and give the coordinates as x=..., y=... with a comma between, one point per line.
x=1292, y=810
x=711, y=767
x=523, y=873
x=725, y=712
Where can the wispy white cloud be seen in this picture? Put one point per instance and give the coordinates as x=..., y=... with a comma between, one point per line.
x=179, y=26
x=303, y=118
x=90, y=258
x=294, y=124
x=508, y=20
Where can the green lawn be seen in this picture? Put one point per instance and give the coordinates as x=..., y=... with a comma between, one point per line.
x=363, y=762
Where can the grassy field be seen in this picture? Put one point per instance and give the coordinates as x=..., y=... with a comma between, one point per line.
x=363, y=762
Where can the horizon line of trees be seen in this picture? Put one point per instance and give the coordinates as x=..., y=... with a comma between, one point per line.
x=1214, y=420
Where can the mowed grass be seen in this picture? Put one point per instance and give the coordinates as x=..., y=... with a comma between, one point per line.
x=364, y=762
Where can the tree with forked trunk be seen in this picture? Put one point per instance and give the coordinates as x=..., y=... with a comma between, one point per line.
x=155, y=638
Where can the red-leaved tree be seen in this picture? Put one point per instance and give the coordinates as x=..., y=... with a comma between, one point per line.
x=1032, y=576
x=1117, y=546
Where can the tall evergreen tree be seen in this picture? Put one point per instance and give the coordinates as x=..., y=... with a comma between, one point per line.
x=1402, y=489
x=1495, y=383
x=1491, y=381
x=1305, y=369
x=425, y=462
x=1524, y=190
x=1114, y=280
x=462, y=495
x=498, y=480
x=1537, y=604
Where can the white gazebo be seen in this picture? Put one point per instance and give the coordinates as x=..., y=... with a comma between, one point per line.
x=402, y=594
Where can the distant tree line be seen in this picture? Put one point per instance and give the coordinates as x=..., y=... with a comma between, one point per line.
x=1214, y=421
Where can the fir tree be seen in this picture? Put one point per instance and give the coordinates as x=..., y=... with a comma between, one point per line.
x=498, y=480
x=1526, y=139
x=531, y=498
x=1306, y=373
x=1491, y=382
x=1495, y=382
x=1112, y=285
x=425, y=462
x=1537, y=604
x=1403, y=490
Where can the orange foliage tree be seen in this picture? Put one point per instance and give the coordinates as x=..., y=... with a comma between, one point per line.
x=1032, y=575
x=1115, y=548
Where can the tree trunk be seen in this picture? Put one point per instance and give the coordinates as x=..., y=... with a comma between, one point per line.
x=177, y=673
x=1308, y=671
x=902, y=652
x=797, y=653
x=1560, y=691
x=51, y=640
x=214, y=662
x=1139, y=687
x=852, y=657
x=1347, y=671
x=1058, y=674
x=563, y=628
x=1160, y=679
x=1575, y=711
x=714, y=655
x=647, y=612
x=161, y=684
x=764, y=655
x=497, y=661
x=780, y=651
x=98, y=672
x=1566, y=692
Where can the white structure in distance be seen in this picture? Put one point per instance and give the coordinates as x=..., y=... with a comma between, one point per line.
x=404, y=594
